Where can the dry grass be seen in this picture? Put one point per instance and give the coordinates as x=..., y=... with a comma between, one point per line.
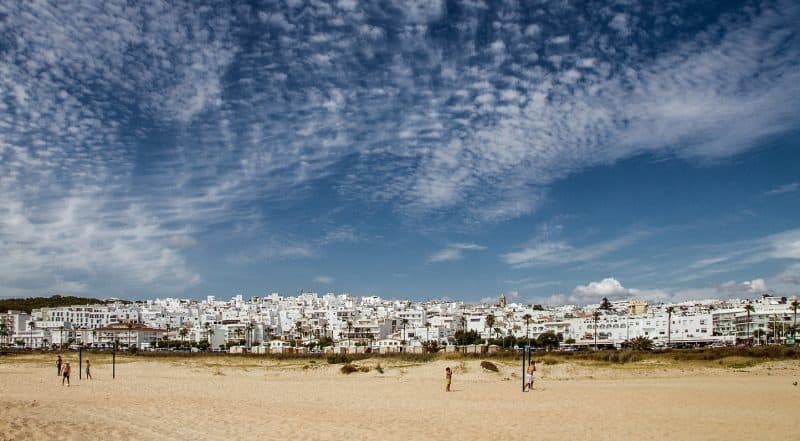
x=710, y=357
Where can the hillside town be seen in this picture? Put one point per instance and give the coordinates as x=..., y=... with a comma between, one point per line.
x=345, y=323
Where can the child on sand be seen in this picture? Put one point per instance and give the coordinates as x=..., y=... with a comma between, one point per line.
x=449, y=377
x=58, y=365
x=88, y=373
x=66, y=372
x=529, y=375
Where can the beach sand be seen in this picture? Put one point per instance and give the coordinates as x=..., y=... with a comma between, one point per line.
x=250, y=398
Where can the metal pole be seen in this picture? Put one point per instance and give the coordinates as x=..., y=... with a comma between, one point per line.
x=80, y=362
x=114, y=361
x=523, y=369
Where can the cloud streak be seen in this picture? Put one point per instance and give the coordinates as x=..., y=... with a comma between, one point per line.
x=454, y=252
x=557, y=252
x=785, y=188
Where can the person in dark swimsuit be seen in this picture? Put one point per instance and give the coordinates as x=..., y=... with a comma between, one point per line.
x=58, y=365
x=88, y=372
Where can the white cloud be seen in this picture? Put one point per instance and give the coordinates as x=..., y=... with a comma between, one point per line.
x=612, y=289
x=555, y=252
x=533, y=29
x=785, y=188
x=785, y=245
x=181, y=242
x=620, y=23
x=277, y=249
x=453, y=252
x=63, y=245
x=325, y=280
x=608, y=287
x=756, y=285
x=277, y=19
x=561, y=39
x=338, y=234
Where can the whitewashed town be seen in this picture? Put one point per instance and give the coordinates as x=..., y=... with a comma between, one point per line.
x=344, y=323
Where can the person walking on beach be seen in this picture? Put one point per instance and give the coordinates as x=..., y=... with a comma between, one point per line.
x=529, y=374
x=65, y=373
x=58, y=365
x=88, y=372
x=448, y=374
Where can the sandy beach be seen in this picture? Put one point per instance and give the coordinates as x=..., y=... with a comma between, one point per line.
x=250, y=398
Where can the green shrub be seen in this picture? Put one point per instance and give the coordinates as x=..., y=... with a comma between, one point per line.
x=364, y=369
x=550, y=360
x=339, y=358
x=348, y=368
x=431, y=347
x=547, y=340
x=489, y=366
x=640, y=343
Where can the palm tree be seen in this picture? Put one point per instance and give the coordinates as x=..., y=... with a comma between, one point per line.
x=794, y=321
x=129, y=325
x=596, y=316
x=166, y=335
x=210, y=333
x=183, y=332
x=325, y=329
x=489, y=324
x=249, y=328
x=670, y=310
x=748, y=308
x=349, y=329
x=428, y=331
x=527, y=318
x=33, y=325
x=404, y=322
x=463, y=321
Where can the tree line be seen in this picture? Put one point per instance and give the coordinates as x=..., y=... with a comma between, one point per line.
x=31, y=303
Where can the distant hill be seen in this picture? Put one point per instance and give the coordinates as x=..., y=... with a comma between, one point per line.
x=48, y=302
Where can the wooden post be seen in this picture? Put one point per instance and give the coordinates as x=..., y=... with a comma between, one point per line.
x=114, y=361
x=80, y=362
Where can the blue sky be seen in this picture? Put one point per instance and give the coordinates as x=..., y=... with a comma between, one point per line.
x=558, y=152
